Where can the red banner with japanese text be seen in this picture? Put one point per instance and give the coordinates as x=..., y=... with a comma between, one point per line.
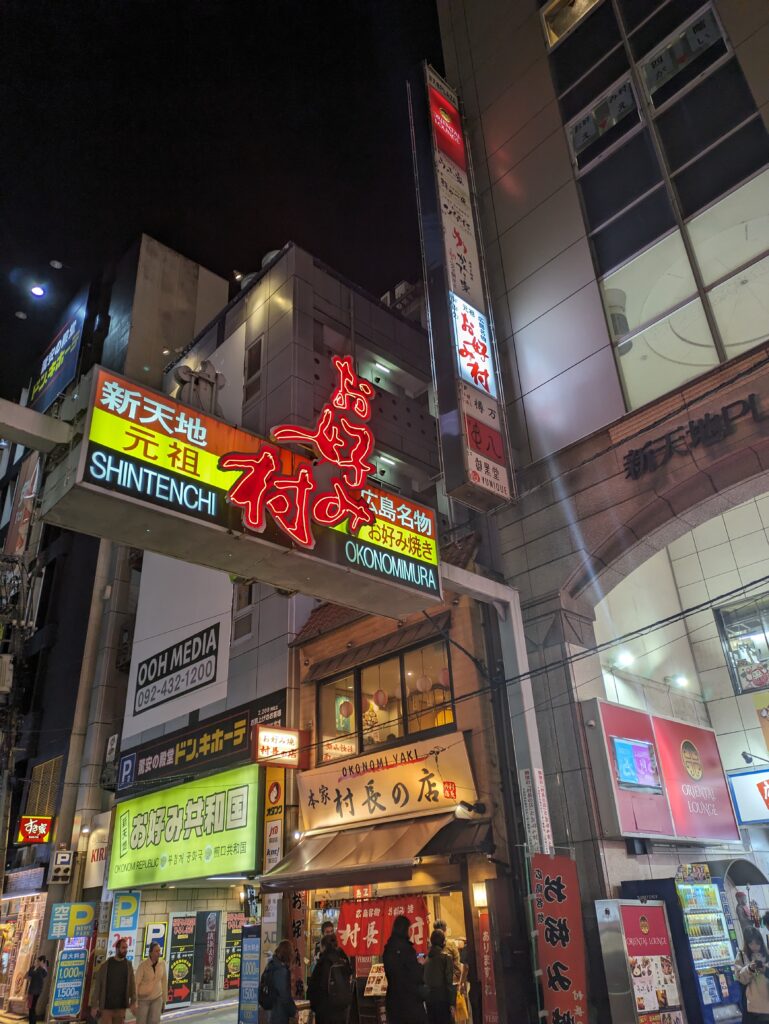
x=560, y=938
x=365, y=925
x=488, y=981
x=299, y=942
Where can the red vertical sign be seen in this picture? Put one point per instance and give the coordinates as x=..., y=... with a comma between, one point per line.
x=560, y=938
x=488, y=982
x=299, y=942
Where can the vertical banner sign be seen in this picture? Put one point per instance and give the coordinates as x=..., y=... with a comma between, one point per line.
x=274, y=813
x=299, y=942
x=125, y=921
x=68, y=983
x=181, y=956
x=250, y=957
x=488, y=981
x=650, y=959
x=206, y=947
x=560, y=938
x=470, y=402
x=232, y=939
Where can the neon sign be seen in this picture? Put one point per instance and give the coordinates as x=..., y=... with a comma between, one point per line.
x=341, y=438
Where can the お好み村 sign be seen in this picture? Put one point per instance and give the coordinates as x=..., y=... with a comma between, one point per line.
x=312, y=520
x=282, y=748
x=427, y=777
x=188, y=831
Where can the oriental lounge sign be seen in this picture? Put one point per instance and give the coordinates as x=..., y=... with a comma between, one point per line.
x=162, y=476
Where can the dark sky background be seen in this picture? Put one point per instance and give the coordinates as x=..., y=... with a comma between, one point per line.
x=223, y=129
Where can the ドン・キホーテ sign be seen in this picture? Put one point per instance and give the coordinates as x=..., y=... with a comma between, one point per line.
x=310, y=518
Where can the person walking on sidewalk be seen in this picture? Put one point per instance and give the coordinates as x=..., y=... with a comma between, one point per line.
x=151, y=986
x=439, y=979
x=36, y=978
x=113, y=989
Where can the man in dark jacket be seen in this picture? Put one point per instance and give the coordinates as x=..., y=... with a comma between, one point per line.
x=113, y=988
x=36, y=983
x=405, y=998
x=330, y=986
x=439, y=979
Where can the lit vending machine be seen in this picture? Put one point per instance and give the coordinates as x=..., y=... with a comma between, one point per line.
x=704, y=941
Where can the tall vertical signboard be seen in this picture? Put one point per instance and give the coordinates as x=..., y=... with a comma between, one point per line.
x=476, y=464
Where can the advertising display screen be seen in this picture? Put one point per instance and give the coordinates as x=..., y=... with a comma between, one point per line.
x=205, y=826
x=636, y=764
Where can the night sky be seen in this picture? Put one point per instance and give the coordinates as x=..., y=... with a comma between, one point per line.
x=223, y=129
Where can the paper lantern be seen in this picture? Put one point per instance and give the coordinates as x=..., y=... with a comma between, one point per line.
x=380, y=699
x=345, y=709
x=443, y=678
x=424, y=684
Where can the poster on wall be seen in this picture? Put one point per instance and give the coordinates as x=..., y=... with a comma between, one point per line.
x=181, y=956
x=650, y=959
x=233, y=937
x=69, y=982
x=560, y=936
x=206, y=947
x=27, y=485
x=124, y=923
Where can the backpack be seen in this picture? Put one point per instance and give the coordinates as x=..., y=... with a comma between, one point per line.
x=267, y=989
x=339, y=987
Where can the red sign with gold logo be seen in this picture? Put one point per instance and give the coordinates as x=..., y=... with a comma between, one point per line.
x=560, y=938
x=34, y=829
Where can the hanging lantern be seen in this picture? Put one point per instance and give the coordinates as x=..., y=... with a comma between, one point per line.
x=424, y=684
x=380, y=699
x=443, y=678
x=345, y=709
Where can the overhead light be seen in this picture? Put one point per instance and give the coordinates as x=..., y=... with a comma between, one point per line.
x=226, y=878
x=382, y=368
x=85, y=830
x=681, y=681
x=389, y=461
x=625, y=659
x=237, y=275
x=20, y=314
x=56, y=264
x=171, y=886
x=37, y=290
x=480, y=898
x=166, y=351
x=297, y=836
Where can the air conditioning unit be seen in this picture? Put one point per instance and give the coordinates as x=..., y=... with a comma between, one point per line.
x=6, y=673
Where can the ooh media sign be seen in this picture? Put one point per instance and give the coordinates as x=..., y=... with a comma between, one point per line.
x=315, y=523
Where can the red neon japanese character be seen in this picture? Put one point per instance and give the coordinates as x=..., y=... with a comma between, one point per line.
x=347, y=448
x=330, y=509
x=346, y=389
x=259, y=488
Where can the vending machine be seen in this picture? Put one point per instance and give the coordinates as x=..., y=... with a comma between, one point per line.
x=704, y=939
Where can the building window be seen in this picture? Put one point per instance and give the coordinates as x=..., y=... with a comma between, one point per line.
x=744, y=629
x=560, y=17
x=684, y=57
x=44, y=788
x=381, y=703
x=253, y=370
x=741, y=309
x=242, y=610
x=607, y=121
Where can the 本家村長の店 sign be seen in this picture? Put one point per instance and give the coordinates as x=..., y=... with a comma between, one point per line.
x=209, y=825
x=475, y=457
x=429, y=777
x=34, y=829
x=282, y=748
x=560, y=937
x=341, y=532
x=366, y=925
x=58, y=366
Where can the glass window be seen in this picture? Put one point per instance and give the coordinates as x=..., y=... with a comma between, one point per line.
x=337, y=718
x=666, y=355
x=658, y=27
x=428, y=688
x=682, y=59
x=381, y=702
x=657, y=280
x=636, y=228
x=254, y=369
x=615, y=182
x=733, y=160
x=585, y=91
x=560, y=16
x=601, y=126
x=741, y=308
x=744, y=629
x=733, y=231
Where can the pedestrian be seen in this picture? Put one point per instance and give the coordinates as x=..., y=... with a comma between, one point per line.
x=750, y=970
x=327, y=928
x=405, y=1000
x=743, y=912
x=439, y=979
x=330, y=986
x=36, y=978
x=113, y=988
x=151, y=986
x=452, y=949
x=277, y=979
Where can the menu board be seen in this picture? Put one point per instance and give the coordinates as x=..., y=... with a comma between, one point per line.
x=181, y=956
x=652, y=969
x=232, y=940
x=376, y=983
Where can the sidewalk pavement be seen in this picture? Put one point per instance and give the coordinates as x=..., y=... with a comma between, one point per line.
x=193, y=1012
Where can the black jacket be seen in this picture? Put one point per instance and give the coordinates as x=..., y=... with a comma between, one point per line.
x=317, y=987
x=405, y=1003
x=37, y=976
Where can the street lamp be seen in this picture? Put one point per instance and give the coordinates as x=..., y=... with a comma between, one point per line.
x=37, y=290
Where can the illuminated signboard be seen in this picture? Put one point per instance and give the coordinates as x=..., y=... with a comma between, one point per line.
x=211, y=825
x=314, y=522
x=34, y=829
x=58, y=366
x=284, y=748
x=475, y=460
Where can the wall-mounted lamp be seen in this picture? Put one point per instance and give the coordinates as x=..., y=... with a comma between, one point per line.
x=480, y=899
x=677, y=680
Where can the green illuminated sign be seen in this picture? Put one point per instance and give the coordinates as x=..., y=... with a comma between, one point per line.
x=209, y=826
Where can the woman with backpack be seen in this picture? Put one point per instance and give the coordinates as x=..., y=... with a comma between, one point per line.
x=330, y=987
x=275, y=986
x=405, y=1000
x=750, y=969
x=439, y=979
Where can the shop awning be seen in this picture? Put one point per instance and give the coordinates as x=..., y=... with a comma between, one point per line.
x=375, y=853
x=460, y=838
